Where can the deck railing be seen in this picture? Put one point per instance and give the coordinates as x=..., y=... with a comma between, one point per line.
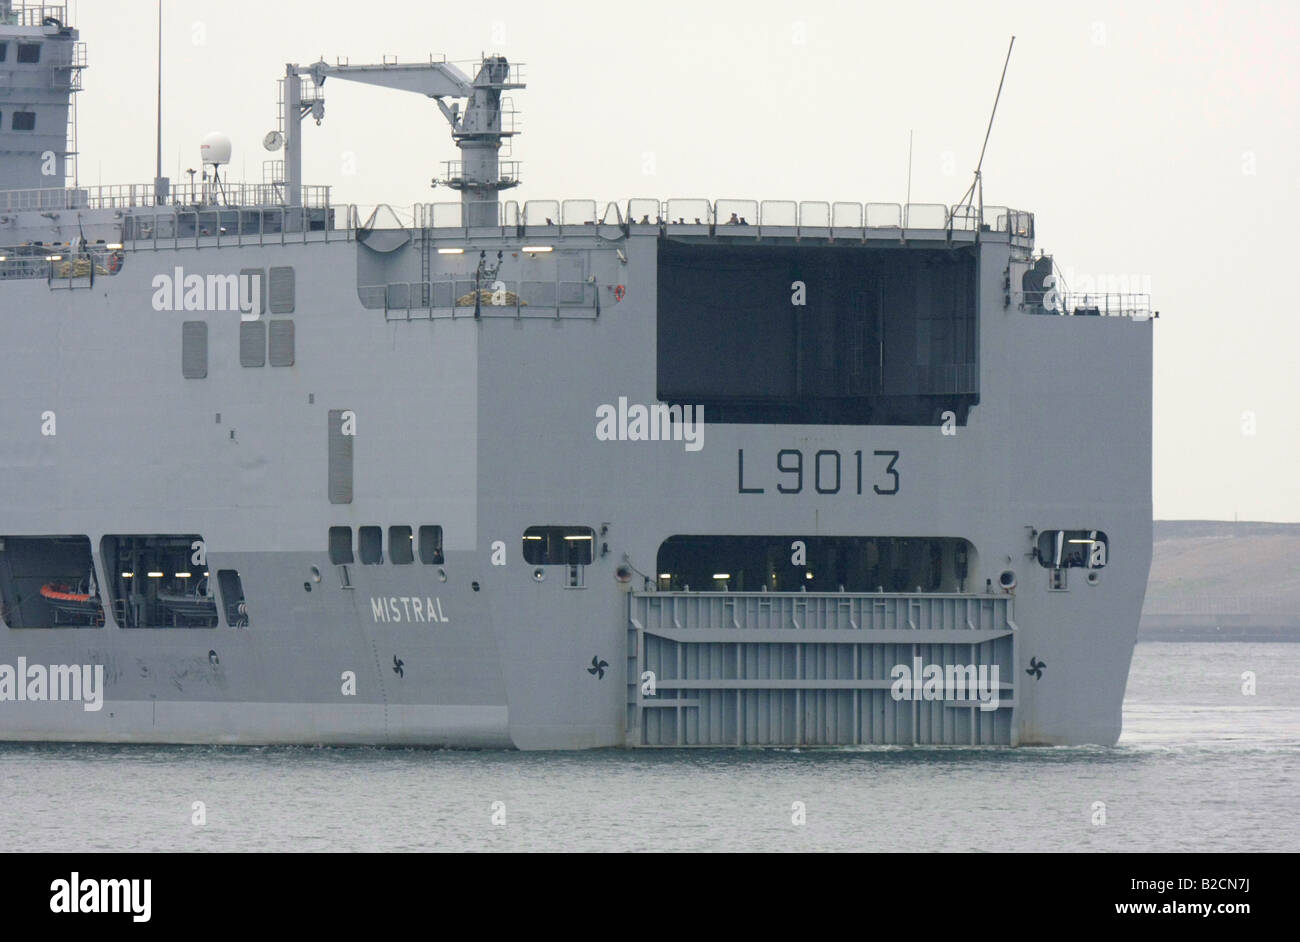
x=144, y=195
x=759, y=217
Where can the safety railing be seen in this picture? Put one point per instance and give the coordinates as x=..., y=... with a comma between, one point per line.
x=33, y=13
x=60, y=265
x=142, y=195
x=454, y=171
x=219, y=226
x=457, y=296
x=1079, y=304
x=751, y=218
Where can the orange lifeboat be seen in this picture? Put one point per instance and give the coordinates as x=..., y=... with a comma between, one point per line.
x=62, y=593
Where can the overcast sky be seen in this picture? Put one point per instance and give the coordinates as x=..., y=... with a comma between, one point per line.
x=1154, y=142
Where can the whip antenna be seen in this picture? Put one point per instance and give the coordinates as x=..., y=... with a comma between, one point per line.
x=977, y=182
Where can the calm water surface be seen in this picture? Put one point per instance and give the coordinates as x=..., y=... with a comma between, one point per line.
x=1201, y=766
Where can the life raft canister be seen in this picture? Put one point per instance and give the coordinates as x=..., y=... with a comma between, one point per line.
x=619, y=292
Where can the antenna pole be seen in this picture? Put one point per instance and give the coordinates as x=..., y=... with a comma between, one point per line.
x=978, y=181
x=160, y=183
x=909, y=175
x=996, y=99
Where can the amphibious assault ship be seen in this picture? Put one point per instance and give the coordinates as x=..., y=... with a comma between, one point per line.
x=545, y=474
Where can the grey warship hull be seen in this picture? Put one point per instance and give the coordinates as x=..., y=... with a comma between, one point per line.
x=410, y=494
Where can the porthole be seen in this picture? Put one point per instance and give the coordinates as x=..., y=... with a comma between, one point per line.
x=539, y=574
x=442, y=575
x=307, y=586
x=315, y=574
x=1094, y=578
x=474, y=586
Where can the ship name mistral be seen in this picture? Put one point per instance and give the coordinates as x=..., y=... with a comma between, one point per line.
x=407, y=608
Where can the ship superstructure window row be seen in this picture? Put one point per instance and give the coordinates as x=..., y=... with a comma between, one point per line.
x=405, y=545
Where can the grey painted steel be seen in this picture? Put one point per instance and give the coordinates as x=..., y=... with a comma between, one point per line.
x=480, y=419
x=805, y=669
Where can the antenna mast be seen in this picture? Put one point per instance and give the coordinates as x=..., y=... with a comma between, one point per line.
x=160, y=183
x=978, y=182
x=909, y=176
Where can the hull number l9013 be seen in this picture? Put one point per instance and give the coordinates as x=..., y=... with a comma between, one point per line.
x=823, y=472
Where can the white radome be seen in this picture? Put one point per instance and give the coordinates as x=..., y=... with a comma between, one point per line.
x=215, y=148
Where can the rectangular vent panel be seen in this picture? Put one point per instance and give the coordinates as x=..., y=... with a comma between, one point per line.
x=281, y=335
x=194, y=349
x=281, y=289
x=256, y=289
x=252, y=343
x=340, y=459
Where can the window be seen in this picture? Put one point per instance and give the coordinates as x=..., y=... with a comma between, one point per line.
x=559, y=546
x=4, y=51
x=29, y=53
x=340, y=545
x=431, y=545
x=1062, y=549
x=159, y=580
x=24, y=121
x=370, y=542
x=49, y=582
x=401, y=545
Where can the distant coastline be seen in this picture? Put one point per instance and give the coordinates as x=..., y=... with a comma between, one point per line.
x=1223, y=581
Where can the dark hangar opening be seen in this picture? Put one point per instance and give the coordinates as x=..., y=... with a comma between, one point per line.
x=886, y=336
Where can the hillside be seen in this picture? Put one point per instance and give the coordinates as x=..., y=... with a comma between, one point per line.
x=1224, y=577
